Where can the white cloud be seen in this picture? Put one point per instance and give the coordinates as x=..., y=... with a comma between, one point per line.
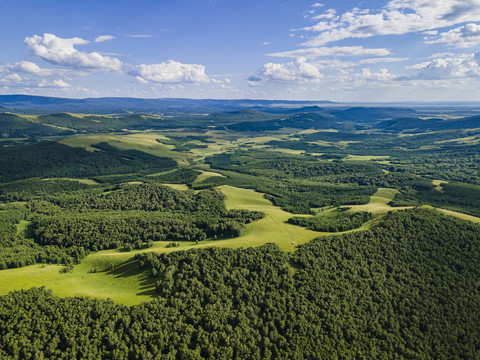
x=171, y=72
x=14, y=78
x=444, y=54
x=461, y=37
x=382, y=76
x=457, y=66
x=60, y=51
x=141, y=80
x=28, y=67
x=382, y=60
x=299, y=71
x=312, y=53
x=397, y=17
x=103, y=38
x=318, y=5
x=59, y=83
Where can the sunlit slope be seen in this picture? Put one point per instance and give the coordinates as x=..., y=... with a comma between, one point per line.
x=272, y=228
x=126, y=283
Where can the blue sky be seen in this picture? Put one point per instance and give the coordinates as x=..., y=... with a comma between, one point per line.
x=398, y=50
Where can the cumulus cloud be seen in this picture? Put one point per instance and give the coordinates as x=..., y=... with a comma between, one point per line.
x=296, y=71
x=103, y=38
x=397, y=17
x=59, y=83
x=26, y=73
x=15, y=78
x=382, y=76
x=62, y=52
x=28, y=67
x=170, y=72
x=457, y=66
x=461, y=37
x=312, y=53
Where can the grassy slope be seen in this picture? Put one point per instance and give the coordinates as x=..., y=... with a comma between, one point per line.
x=145, y=142
x=205, y=175
x=379, y=202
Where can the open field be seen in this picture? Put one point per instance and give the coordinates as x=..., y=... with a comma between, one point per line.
x=127, y=284
x=272, y=228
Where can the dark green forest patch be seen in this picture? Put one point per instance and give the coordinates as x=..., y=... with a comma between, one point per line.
x=333, y=222
x=51, y=159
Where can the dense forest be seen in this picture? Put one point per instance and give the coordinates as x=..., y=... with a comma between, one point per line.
x=408, y=289
x=52, y=159
x=333, y=222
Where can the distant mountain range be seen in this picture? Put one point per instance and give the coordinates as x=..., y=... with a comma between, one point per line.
x=118, y=105
x=236, y=115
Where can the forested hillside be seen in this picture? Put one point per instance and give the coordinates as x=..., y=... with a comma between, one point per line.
x=407, y=289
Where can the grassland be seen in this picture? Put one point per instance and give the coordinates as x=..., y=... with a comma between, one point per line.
x=366, y=158
x=141, y=141
x=127, y=284
x=438, y=184
x=205, y=175
x=378, y=204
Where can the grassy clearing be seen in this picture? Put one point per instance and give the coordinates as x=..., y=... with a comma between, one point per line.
x=438, y=184
x=82, y=181
x=177, y=186
x=205, y=175
x=272, y=228
x=126, y=283
x=22, y=226
x=365, y=158
x=287, y=151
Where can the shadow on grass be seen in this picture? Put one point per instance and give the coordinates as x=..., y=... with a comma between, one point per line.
x=132, y=268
